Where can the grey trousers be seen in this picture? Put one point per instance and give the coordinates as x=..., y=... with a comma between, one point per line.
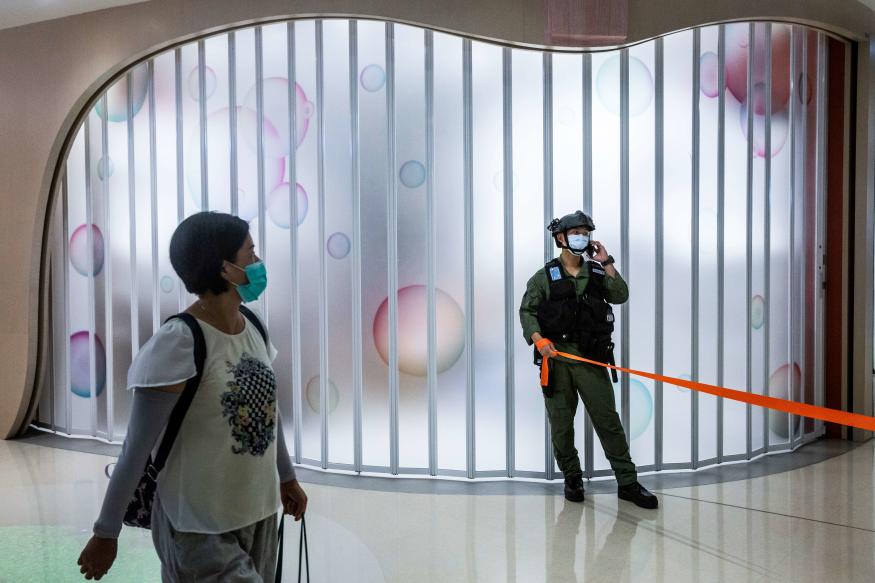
x=245, y=555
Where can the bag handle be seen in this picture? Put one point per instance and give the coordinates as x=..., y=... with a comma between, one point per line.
x=303, y=551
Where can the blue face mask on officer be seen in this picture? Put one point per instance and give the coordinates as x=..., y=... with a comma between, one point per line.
x=577, y=244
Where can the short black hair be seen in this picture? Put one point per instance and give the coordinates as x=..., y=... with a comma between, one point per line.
x=199, y=246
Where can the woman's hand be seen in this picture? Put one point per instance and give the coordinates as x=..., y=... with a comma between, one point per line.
x=293, y=498
x=97, y=557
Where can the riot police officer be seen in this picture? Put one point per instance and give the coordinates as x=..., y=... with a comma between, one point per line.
x=566, y=308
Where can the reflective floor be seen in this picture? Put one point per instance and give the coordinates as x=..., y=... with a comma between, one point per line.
x=815, y=523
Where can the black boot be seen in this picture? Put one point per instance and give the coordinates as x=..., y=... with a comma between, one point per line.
x=638, y=494
x=574, y=489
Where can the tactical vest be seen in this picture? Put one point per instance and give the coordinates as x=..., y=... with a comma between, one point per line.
x=587, y=321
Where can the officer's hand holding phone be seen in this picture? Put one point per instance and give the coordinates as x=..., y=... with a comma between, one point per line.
x=597, y=251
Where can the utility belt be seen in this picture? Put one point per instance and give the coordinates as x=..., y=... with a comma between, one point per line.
x=602, y=353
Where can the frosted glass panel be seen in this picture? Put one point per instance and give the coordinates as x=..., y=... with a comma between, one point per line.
x=367, y=124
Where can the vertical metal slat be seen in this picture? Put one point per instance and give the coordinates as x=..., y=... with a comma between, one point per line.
x=180, y=162
x=624, y=234
x=132, y=218
x=259, y=136
x=509, y=300
x=232, y=123
x=721, y=215
x=107, y=277
x=431, y=212
x=89, y=239
x=586, y=132
x=323, y=276
x=751, y=51
x=392, y=243
x=767, y=245
x=659, y=185
x=468, y=152
x=297, y=398
x=356, y=246
x=694, y=280
x=547, y=164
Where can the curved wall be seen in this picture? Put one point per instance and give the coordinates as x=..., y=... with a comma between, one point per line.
x=418, y=163
x=87, y=50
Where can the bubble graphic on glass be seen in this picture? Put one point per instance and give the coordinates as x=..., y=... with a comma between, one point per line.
x=313, y=396
x=779, y=127
x=413, y=329
x=640, y=407
x=338, y=245
x=737, y=35
x=372, y=78
x=194, y=89
x=757, y=312
x=804, y=88
x=708, y=74
x=640, y=85
x=105, y=168
x=412, y=174
x=737, y=47
x=117, y=96
x=276, y=112
x=167, y=284
x=80, y=371
x=218, y=154
x=79, y=250
x=278, y=205
x=779, y=386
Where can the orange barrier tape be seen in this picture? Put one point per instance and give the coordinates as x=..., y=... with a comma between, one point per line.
x=539, y=344
x=792, y=407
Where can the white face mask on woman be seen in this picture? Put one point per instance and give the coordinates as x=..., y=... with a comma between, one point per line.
x=577, y=244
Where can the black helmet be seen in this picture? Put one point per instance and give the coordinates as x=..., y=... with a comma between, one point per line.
x=575, y=219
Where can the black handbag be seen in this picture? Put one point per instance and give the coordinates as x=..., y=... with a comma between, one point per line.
x=139, y=511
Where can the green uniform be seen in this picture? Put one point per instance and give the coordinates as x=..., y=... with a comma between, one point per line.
x=589, y=381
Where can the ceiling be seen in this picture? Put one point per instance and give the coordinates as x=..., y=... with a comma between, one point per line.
x=20, y=12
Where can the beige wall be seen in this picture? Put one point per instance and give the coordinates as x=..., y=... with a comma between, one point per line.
x=49, y=70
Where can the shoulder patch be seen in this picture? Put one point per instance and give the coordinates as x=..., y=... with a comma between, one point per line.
x=555, y=274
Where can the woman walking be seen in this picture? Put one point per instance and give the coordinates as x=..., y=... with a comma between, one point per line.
x=214, y=511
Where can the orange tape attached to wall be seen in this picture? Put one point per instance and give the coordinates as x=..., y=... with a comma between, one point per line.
x=792, y=407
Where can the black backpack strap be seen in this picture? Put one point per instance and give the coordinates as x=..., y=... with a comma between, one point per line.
x=255, y=322
x=595, y=287
x=181, y=408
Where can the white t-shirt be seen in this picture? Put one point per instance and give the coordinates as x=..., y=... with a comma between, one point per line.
x=221, y=473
